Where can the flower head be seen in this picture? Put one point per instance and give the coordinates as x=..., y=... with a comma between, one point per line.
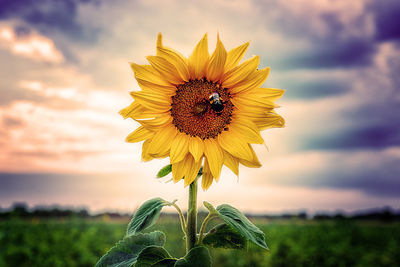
x=202, y=110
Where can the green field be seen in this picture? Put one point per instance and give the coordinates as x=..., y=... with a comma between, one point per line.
x=80, y=242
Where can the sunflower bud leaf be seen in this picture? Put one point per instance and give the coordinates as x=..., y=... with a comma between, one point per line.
x=146, y=215
x=235, y=219
x=127, y=251
x=164, y=171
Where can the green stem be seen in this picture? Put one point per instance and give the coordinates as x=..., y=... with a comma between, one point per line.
x=203, y=226
x=181, y=217
x=192, y=217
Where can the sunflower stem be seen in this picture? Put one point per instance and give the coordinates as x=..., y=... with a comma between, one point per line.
x=191, y=227
x=181, y=217
x=203, y=226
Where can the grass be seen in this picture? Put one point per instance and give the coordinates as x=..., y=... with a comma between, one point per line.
x=79, y=242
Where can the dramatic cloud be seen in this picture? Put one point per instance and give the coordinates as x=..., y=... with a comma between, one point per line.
x=372, y=118
x=387, y=24
x=314, y=89
x=47, y=16
x=336, y=33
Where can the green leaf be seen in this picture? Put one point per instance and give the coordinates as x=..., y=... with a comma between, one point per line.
x=164, y=171
x=165, y=263
x=240, y=223
x=181, y=263
x=151, y=255
x=126, y=251
x=146, y=215
x=223, y=236
x=196, y=257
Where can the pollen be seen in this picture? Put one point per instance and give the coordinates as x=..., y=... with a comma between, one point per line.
x=192, y=112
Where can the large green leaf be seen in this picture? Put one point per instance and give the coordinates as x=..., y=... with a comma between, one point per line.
x=164, y=171
x=126, y=251
x=165, y=263
x=223, y=236
x=240, y=223
x=196, y=257
x=146, y=215
x=151, y=255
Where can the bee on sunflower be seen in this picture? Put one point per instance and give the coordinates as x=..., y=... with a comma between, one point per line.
x=202, y=112
x=202, y=107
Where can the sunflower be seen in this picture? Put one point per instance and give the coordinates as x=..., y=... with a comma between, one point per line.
x=202, y=110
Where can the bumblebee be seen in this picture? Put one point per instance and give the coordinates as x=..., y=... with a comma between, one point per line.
x=216, y=102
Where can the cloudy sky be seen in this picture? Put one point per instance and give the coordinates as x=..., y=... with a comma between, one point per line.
x=65, y=75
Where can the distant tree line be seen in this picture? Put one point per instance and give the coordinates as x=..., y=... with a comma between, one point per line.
x=21, y=210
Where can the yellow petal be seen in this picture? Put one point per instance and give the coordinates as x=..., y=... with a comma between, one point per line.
x=240, y=73
x=255, y=80
x=137, y=111
x=217, y=62
x=244, y=109
x=126, y=112
x=207, y=178
x=161, y=155
x=179, y=147
x=166, y=69
x=177, y=60
x=174, y=57
x=193, y=171
x=235, y=55
x=231, y=162
x=213, y=153
x=139, y=134
x=155, y=124
x=252, y=101
x=254, y=113
x=161, y=142
x=234, y=145
x=145, y=150
x=156, y=102
x=179, y=170
x=247, y=129
x=253, y=163
x=269, y=94
x=159, y=42
x=198, y=60
x=148, y=73
x=196, y=148
x=159, y=89
x=270, y=120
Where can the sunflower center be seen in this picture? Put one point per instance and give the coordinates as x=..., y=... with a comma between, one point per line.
x=201, y=108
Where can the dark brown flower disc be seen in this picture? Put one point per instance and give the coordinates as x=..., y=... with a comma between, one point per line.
x=192, y=113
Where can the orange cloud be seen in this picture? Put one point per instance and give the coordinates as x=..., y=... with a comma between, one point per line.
x=35, y=46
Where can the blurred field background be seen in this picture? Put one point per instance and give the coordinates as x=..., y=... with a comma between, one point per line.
x=74, y=238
